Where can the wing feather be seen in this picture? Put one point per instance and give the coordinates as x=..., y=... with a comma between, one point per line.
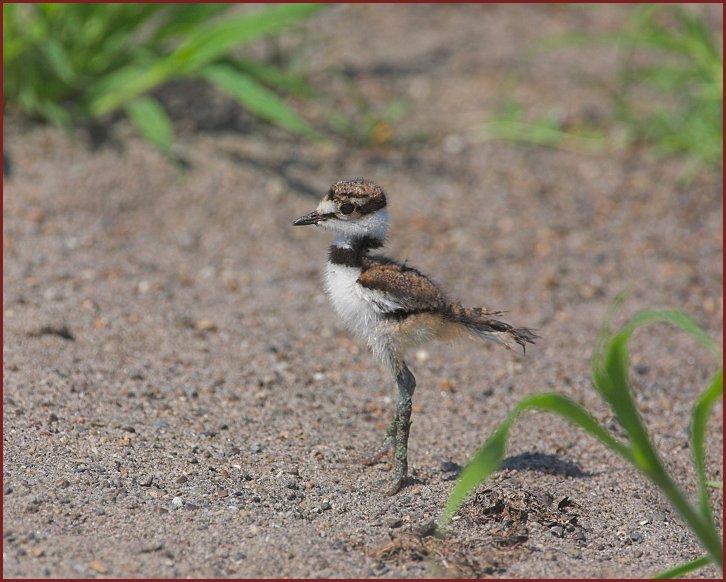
x=400, y=288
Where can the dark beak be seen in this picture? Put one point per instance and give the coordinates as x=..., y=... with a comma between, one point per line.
x=310, y=218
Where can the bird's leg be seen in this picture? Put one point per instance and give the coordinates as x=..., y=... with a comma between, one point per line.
x=406, y=384
x=389, y=443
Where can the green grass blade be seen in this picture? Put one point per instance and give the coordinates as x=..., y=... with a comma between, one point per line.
x=53, y=112
x=610, y=375
x=544, y=133
x=614, y=379
x=201, y=48
x=680, y=320
x=698, y=437
x=611, y=378
x=258, y=99
x=57, y=61
x=211, y=42
x=489, y=457
x=684, y=569
x=125, y=84
x=183, y=18
x=150, y=119
x=273, y=76
x=487, y=460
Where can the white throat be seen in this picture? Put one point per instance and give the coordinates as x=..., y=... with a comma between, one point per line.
x=374, y=225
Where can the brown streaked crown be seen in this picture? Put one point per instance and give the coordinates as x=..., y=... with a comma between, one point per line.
x=366, y=195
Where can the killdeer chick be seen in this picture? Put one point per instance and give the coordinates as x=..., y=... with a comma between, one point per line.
x=392, y=306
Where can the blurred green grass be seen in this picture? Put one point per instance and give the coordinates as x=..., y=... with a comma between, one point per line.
x=71, y=63
x=673, y=104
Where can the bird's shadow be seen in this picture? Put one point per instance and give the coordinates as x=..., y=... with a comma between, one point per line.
x=544, y=463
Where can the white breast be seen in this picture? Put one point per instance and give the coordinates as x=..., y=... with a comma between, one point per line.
x=362, y=310
x=358, y=313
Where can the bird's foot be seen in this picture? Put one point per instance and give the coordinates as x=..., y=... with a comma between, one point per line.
x=399, y=476
x=386, y=449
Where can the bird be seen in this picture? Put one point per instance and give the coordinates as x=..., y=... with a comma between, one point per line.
x=390, y=305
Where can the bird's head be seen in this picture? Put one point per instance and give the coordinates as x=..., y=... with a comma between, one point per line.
x=352, y=208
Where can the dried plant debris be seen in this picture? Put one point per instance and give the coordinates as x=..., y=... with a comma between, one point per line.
x=501, y=518
x=403, y=548
x=508, y=512
x=445, y=558
x=466, y=559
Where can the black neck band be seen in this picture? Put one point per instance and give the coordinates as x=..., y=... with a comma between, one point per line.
x=352, y=256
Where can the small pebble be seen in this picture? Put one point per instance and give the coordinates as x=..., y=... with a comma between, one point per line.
x=394, y=522
x=98, y=566
x=206, y=325
x=425, y=528
x=291, y=483
x=450, y=467
x=146, y=480
x=177, y=502
x=181, y=479
x=152, y=547
x=557, y=531
x=659, y=516
x=544, y=498
x=256, y=448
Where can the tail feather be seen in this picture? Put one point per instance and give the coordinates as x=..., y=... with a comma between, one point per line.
x=482, y=323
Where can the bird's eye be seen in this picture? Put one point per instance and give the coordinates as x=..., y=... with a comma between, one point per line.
x=347, y=208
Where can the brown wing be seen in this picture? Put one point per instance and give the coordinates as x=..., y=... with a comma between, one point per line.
x=403, y=289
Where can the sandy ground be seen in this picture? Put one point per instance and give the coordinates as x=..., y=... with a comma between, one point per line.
x=179, y=400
